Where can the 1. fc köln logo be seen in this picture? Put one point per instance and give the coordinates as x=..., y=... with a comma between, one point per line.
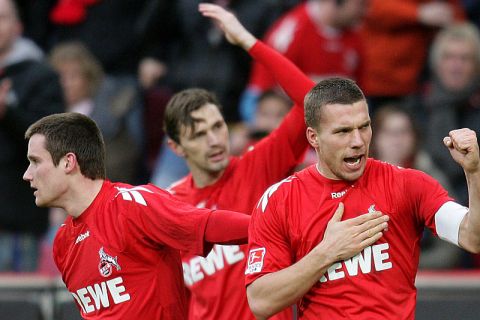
x=255, y=260
x=106, y=263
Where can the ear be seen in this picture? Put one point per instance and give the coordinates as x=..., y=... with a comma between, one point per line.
x=176, y=148
x=312, y=137
x=69, y=162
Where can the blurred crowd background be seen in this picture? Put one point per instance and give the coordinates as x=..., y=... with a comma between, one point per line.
x=119, y=61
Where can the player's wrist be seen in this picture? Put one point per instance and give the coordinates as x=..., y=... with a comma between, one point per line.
x=324, y=254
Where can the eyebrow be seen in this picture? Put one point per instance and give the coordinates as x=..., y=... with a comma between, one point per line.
x=31, y=157
x=349, y=128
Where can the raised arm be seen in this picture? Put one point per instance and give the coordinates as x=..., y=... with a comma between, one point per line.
x=275, y=291
x=463, y=147
x=292, y=80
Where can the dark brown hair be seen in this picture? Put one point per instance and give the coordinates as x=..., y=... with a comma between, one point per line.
x=76, y=133
x=179, y=109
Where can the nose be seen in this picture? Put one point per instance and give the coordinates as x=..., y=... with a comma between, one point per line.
x=356, y=140
x=27, y=176
x=212, y=138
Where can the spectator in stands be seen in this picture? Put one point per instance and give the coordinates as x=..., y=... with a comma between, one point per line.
x=29, y=90
x=319, y=36
x=271, y=108
x=396, y=140
x=452, y=97
x=113, y=102
x=396, y=36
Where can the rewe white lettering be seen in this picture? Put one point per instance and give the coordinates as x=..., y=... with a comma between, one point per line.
x=99, y=295
x=99, y=292
x=378, y=254
x=380, y=257
x=213, y=261
x=233, y=254
x=334, y=273
x=365, y=262
x=187, y=274
x=198, y=267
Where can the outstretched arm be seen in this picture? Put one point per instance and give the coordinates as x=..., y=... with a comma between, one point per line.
x=463, y=147
x=227, y=227
x=275, y=291
x=292, y=80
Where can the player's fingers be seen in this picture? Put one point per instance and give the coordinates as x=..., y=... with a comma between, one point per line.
x=371, y=240
x=337, y=216
x=369, y=233
x=447, y=141
x=372, y=227
x=364, y=218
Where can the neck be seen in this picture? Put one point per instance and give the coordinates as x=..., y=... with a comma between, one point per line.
x=204, y=179
x=81, y=196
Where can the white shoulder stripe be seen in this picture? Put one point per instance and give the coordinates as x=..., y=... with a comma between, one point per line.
x=448, y=219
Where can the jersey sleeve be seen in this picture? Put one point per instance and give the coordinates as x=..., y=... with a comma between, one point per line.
x=295, y=83
x=268, y=246
x=156, y=217
x=275, y=156
x=427, y=197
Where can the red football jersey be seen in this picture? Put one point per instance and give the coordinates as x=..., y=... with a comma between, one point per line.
x=120, y=258
x=318, y=52
x=216, y=283
x=378, y=283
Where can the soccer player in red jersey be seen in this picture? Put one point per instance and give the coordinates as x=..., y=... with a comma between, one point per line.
x=118, y=250
x=290, y=237
x=198, y=132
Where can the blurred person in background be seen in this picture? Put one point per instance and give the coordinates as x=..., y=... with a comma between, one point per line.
x=271, y=108
x=396, y=35
x=396, y=139
x=113, y=102
x=29, y=90
x=452, y=96
x=320, y=37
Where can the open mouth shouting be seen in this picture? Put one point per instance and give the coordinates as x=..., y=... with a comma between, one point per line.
x=354, y=163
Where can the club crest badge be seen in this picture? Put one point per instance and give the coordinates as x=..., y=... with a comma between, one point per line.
x=107, y=262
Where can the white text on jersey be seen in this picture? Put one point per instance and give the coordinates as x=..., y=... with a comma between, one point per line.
x=100, y=293
x=378, y=254
x=82, y=236
x=197, y=267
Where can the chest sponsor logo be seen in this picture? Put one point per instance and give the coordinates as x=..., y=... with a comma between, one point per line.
x=101, y=295
x=197, y=268
x=106, y=263
x=372, y=258
x=82, y=236
x=255, y=260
